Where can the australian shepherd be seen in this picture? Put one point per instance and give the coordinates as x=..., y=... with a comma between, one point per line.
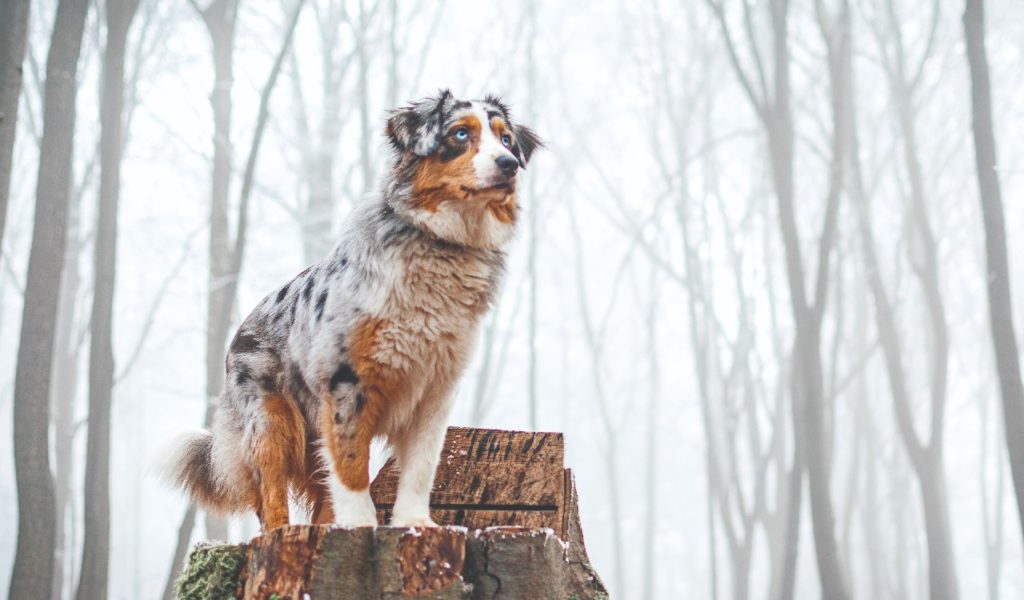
x=371, y=341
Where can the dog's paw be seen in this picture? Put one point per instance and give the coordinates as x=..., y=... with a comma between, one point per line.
x=353, y=509
x=412, y=521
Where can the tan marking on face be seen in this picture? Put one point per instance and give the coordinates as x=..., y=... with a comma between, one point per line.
x=499, y=127
x=436, y=181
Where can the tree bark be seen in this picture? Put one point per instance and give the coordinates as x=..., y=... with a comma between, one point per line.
x=1000, y=306
x=96, y=544
x=32, y=576
x=13, y=33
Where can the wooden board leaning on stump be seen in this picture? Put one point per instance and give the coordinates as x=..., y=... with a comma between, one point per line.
x=506, y=503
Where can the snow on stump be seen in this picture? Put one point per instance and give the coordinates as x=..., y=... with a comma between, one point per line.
x=510, y=530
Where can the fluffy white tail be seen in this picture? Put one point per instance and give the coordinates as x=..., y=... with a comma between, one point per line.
x=190, y=466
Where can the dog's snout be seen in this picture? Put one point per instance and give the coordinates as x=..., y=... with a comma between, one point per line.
x=508, y=165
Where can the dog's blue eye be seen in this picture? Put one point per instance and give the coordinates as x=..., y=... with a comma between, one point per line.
x=507, y=140
x=462, y=134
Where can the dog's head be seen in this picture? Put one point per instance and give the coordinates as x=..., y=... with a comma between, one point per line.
x=456, y=164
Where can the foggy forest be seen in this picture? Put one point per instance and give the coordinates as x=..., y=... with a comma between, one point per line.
x=767, y=278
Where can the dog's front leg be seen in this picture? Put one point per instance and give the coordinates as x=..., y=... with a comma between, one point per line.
x=348, y=424
x=418, y=452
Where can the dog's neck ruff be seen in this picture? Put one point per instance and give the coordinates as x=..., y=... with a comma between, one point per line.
x=469, y=222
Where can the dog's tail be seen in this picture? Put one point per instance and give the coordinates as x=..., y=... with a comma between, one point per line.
x=191, y=466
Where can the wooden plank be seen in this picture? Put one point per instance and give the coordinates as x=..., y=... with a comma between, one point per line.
x=489, y=467
x=491, y=477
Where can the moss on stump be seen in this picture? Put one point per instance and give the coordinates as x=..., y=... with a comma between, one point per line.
x=212, y=572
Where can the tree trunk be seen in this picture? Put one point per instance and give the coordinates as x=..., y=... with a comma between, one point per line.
x=515, y=550
x=925, y=459
x=1000, y=306
x=772, y=107
x=992, y=524
x=221, y=19
x=225, y=255
x=32, y=576
x=806, y=318
x=791, y=531
x=317, y=241
x=363, y=60
x=317, y=219
x=13, y=33
x=532, y=393
x=63, y=395
x=942, y=581
x=96, y=546
x=651, y=471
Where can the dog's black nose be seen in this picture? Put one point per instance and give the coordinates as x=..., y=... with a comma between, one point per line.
x=508, y=165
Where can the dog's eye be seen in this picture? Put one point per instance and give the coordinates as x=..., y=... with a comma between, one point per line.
x=507, y=140
x=461, y=134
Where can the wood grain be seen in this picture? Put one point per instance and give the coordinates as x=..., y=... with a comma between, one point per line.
x=430, y=560
x=281, y=562
x=491, y=477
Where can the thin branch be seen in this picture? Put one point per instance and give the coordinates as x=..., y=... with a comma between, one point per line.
x=741, y=74
x=154, y=307
x=915, y=79
x=261, y=123
x=754, y=50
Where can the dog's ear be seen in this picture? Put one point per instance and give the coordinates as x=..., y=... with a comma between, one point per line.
x=417, y=127
x=526, y=142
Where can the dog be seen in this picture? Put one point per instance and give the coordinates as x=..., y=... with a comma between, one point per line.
x=371, y=341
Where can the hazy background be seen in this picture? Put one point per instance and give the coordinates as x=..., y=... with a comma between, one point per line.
x=646, y=313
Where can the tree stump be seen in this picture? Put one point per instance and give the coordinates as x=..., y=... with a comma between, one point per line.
x=510, y=487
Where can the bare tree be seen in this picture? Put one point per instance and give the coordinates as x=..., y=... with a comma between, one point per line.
x=220, y=18
x=1000, y=305
x=32, y=576
x=226, y=256
x=926, y=457
x=96, y=548
x=532, y=226
x=651, y=469
x=594, y=332
x=992, y=524
x=64, y=388
x=769, y=96
x=71, y=333
x=13, y=33
x=319, y=159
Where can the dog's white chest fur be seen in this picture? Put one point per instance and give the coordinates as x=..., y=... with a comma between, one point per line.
x=431, y=313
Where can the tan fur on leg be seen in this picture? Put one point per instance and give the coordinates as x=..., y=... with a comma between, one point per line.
x=278, y=457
